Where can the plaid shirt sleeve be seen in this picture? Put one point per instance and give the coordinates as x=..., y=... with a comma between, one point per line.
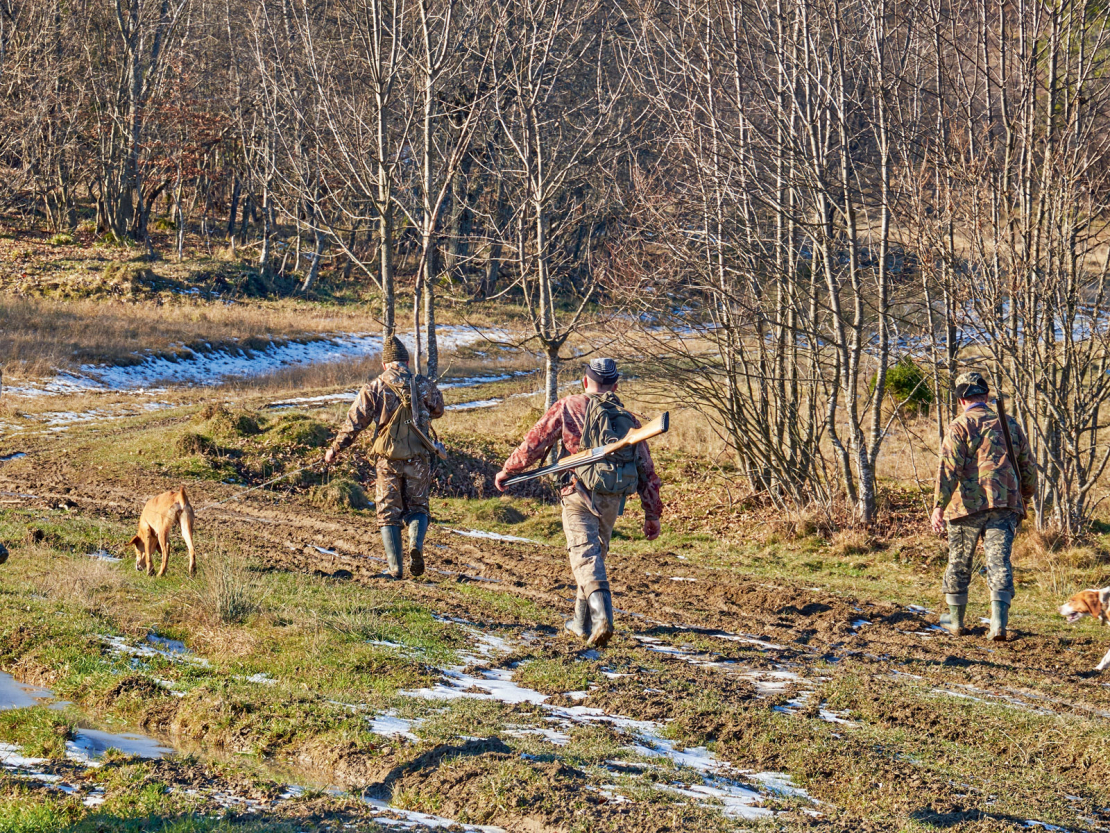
x=538, y=442
x=649, y=484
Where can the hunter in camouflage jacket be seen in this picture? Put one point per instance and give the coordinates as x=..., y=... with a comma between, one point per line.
x=975, y=474
x=376, y=403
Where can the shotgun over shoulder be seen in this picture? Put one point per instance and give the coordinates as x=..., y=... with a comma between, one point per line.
x=657, y=426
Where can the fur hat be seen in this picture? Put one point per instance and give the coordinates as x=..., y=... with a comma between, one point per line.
x=603, y=371
x=971, y=384
x=395, y=351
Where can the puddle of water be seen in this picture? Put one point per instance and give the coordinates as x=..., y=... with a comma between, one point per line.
x=89, y=745
x=174, y=646
x=16, y=695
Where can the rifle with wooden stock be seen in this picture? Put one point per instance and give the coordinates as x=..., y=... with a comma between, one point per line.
x=657, y=426
x=1005, y=425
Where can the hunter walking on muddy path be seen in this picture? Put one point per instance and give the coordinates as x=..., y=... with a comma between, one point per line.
x=402, y=407
x=983, y=477
x=593, y=498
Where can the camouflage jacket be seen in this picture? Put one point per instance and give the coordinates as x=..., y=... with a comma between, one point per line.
x=563, y=421
x=975, y=474
x=376, y=403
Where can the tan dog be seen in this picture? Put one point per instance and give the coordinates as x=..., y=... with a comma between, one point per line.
x=158, y=518
x=1093, y=603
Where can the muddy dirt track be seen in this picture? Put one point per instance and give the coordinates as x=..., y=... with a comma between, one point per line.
x=660, y=593
x=750, y=642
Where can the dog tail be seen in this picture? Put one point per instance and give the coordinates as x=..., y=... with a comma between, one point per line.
x=182, y=498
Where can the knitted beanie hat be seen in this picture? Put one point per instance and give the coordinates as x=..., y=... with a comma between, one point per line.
x=603, y=371
x=395, y=351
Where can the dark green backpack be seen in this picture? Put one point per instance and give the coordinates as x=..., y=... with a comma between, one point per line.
x=607, y=421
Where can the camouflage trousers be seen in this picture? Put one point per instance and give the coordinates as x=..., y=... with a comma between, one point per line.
x=402, y=489
x=996, y=527
x=588, y=537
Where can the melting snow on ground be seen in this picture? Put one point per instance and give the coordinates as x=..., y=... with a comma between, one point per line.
x=212, y=367
x=719, y=783
x=491, y=536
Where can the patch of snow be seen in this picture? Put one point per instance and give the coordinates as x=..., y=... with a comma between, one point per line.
x=390, y=725
x=313, y=400
x=682, y=578
x=491, y=536
x=425, y=821
x=118, y=645
x=552, y=736
x=12, y=758
x=216, y=366
x=859, y=623
x=104, y=555
x=19, y=455
x=475, y=405
x=737, y=801
x=919, y=609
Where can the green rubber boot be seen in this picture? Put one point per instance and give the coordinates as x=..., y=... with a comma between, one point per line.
x=418, y=525
x=953, y=620
x=391, y=538
x=579, y=624
x=1000, y=618
x=601, y=616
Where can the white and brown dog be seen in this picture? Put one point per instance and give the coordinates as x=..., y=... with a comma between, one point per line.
x=1093, y=603
x=159, y=516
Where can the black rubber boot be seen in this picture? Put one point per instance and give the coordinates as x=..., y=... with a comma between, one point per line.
x=418, y=525
x=1000, y=618
x=391, y=538
x=601, y=615
x=953, y=620
x=579, y=624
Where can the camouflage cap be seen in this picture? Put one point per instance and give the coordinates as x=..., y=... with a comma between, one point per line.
x=970, y=384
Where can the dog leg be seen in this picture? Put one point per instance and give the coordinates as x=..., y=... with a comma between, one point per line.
x=164, y=545
x=151, y=548
x=187, y=534
x=1102, y=666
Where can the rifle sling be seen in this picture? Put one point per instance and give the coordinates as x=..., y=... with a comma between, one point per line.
x=1005, y=425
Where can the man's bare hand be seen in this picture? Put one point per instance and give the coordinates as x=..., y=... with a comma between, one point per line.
x=499, y=480
x=938, y=521
x=651, y=528
x=329, y=458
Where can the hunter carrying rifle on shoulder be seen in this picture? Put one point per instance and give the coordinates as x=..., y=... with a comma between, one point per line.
x=402, y=405
x=593, y=495
x=986, y=474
